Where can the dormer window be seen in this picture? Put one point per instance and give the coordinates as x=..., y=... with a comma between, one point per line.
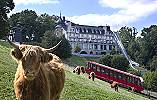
x=84, y=30
x=94, y=31
x=80, y=30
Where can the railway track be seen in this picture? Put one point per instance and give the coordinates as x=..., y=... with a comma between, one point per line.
x=149, y=94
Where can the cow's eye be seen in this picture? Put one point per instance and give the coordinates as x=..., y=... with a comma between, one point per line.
x=22, y=49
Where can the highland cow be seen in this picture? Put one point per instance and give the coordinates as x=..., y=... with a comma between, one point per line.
x=40, y=75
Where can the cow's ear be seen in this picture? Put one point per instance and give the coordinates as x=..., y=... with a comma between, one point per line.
x=16, y=54
x=46, y=57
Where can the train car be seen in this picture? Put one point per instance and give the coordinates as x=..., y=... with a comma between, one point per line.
x=109, y=74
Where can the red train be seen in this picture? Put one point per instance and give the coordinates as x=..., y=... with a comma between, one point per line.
x=111, y=74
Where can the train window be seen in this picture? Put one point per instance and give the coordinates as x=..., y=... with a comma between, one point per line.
x=115, y=75
x=98, y=68
x=125, y=78
x=89, y=65
x=133, y=80
x=94, y=67
x=111, y=73
x=119, y=76
x=107, y=72
x=130, y=79
x=103, y=70
x=136, y=81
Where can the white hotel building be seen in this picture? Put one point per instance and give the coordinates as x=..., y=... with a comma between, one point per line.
x=91, y=39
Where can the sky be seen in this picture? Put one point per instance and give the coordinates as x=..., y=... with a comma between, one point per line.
x=115, y=13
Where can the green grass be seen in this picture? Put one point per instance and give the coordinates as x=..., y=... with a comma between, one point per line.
x=77, y=87
x=7, y=73
x=81, y=61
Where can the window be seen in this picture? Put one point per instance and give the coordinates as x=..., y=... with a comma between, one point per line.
x=88, y=65
x=94, y=67
x=124, y=77
x=107, y=72
x=94, y=31
x=119, y=76
x=84, y=30
x=95, y=46
x=101, y=47
x=130, y=79
x=111, y=73
x=110, y=47
x=133, y=80
x=104, y=47
x=103, y=71
x=80, y=30
x=115, y=75
x=98, y=68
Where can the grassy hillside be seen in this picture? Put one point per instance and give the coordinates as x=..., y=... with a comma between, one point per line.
x=77, y=87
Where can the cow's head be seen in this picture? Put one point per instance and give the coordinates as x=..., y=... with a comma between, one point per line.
x=30, y=58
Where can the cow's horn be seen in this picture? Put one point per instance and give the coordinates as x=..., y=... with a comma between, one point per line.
x=53, y=48
x=13, y=44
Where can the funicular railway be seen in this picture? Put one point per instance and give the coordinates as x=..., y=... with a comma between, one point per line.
x=111, y=74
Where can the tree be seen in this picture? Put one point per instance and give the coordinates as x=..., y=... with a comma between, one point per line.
x=120, y=62
x=153, y=64
x=77, y=48
x=126, y=35
x=33, y=26
x=46, y=23
x=130, y=42
x=106, y=60
x=27, y=20
x=50, y=39
x=113, y=51
x=5, y=7
x=150, y=80
x=149, y=44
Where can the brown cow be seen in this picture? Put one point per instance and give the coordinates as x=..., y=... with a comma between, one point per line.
x=40, y=75
x=91, y=75
x=115, y=85
x=82, y=69
x=77, y=70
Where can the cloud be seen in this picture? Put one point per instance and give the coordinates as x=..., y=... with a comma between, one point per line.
x=26, y=2
x=129, y=11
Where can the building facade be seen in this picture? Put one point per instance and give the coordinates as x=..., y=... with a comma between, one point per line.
x=91, y=39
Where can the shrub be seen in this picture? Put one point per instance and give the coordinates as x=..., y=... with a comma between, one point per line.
x=106, y=60
x=120, y=62
x=77, y=48
x=150, y=80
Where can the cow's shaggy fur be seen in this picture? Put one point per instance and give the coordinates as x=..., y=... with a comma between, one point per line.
x=114, y=84
x=91, y=75
x=40, y=75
